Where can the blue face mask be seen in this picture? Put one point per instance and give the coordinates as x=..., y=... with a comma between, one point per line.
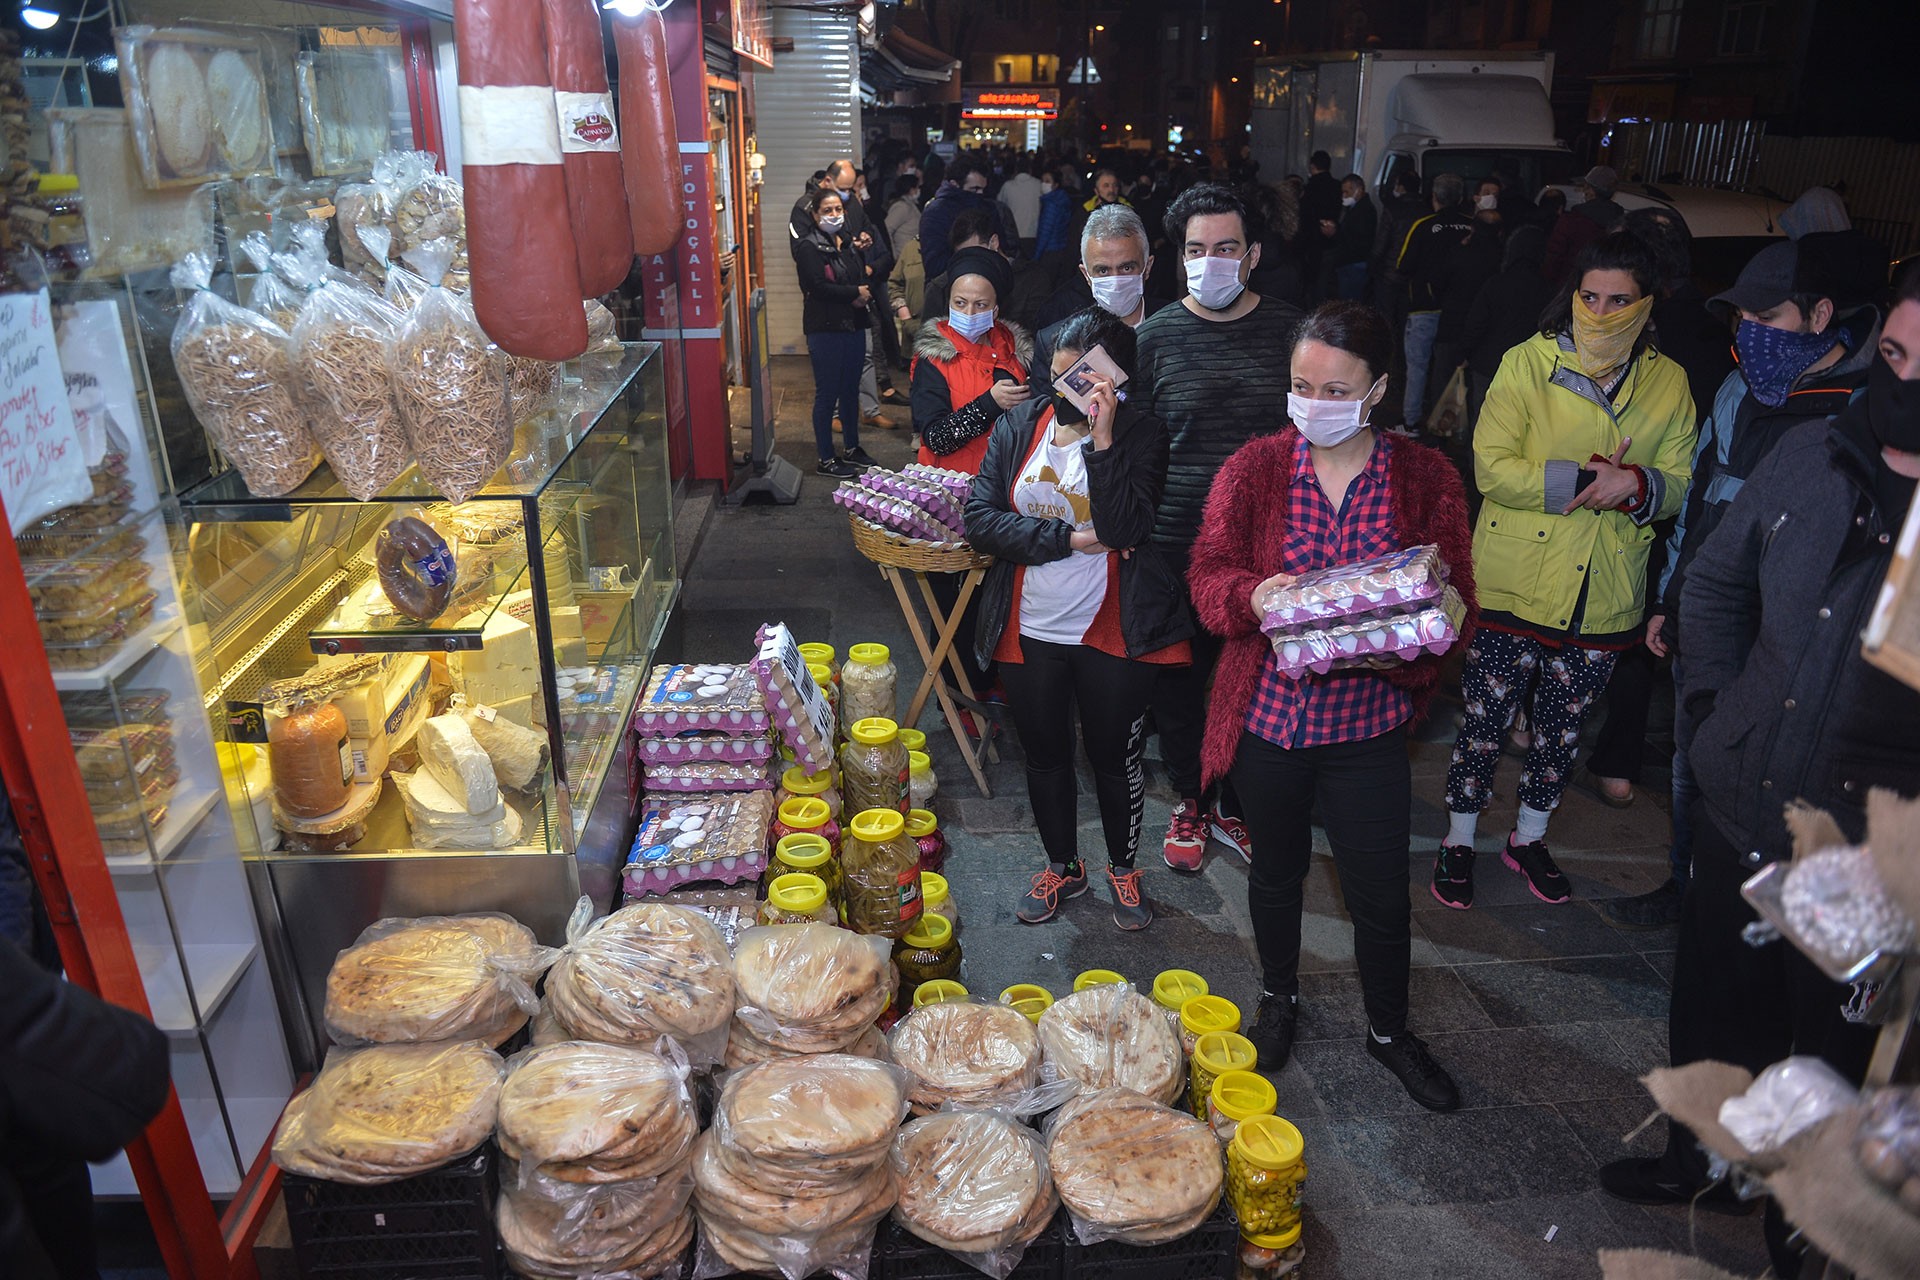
x=972, y=326
x=1772, y=360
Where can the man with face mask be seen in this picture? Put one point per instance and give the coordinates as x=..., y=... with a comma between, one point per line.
x=1114, y=263
x=1782, y=704
x=843, y=178
x=1215, y=369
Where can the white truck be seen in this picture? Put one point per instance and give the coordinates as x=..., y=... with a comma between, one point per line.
x=1434, y=112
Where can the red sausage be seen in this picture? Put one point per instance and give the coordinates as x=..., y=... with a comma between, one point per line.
x=649, y=140
x=590, y=145
x=526, y=273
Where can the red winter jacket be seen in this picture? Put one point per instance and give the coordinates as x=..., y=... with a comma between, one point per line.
x=1243, y=540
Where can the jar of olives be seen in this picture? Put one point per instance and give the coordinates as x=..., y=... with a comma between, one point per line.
x=880, y=875
x=927, y=952
x=798, y=782
x=803, y=851
x=1266, y=1176
x=873, y=767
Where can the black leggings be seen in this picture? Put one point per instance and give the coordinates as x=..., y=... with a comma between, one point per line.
x=1111, y=694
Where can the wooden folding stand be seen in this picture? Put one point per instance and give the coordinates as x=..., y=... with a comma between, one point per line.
x=898, y=557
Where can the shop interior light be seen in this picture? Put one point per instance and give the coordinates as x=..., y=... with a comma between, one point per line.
x=39, y=19
x=634, y=8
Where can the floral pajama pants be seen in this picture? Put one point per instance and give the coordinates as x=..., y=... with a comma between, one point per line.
x=1500, y=669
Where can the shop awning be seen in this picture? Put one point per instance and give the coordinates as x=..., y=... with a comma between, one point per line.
x=901, y=62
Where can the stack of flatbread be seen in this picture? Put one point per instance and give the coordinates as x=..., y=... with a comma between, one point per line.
x=966, y=1052
x=975, y=1183
x=391, y=1111
x=1111, y=1035
x=647, y=970
x=745, y=1049
x=1129, y=1169
x=556, y=1230
x=436, y=978
x=794, y=1174
x=809, y=988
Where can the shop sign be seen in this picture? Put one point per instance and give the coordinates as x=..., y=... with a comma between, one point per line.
x=1010, y=104
x=42, y=467
x=698, y=275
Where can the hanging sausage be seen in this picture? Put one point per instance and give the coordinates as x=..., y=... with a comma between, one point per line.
x=650, y=142
x=589, y=145
x=520, y=245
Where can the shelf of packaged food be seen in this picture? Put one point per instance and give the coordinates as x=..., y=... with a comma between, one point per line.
x=184, y=814
x=390, y=835
x=138, y=645
x=542, y=445
x=215, y=968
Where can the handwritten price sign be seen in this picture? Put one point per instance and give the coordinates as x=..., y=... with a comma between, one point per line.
x=41, y=468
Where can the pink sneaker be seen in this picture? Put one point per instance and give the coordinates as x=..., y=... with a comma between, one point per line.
x=1186, y=837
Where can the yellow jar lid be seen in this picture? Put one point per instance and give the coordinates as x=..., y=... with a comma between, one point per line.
x=814, y=652
x=874, y=731
x=805, y=811
x=929, y=932
x=797, y=781
x=822, y=673
x=1244, y=1094
x=1028, y=999
x=797, y=893
x=54, y=183
x=1269, y=1142
x=1097, y=978
x=1222, y=1051
x=875, y=826
x=919, y=761
x=934, y=889
x=921, y=822
x=1204, y=1015
x=939, y=991
x=1277, y=1241
x=1174, y=987
x=803, y=850
x=913, y=739
x=869, y=655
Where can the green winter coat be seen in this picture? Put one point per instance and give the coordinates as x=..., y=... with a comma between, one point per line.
x=1542, y=421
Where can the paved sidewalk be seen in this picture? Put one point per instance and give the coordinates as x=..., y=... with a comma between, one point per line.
x=1545, y=1015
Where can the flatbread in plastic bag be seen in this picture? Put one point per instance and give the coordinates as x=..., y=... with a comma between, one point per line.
x=649, y=969
x=579, y=1112
x=810, y=988
x=632, y=1230
x=1132, y=1170
x=966, y=1051
x=975, y=1183
x=1111, y=1035
x=435, y=978
x=388, y=1112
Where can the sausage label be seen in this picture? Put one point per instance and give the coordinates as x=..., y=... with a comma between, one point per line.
x=586, y=121
x=509, y=124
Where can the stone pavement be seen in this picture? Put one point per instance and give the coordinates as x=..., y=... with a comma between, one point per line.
x=1545, y=1015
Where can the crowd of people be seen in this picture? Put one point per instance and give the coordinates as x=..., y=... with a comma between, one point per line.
x=1645, y=483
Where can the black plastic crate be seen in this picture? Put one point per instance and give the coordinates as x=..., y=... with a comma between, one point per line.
x=898, y=1254
x=1211, y=1252
x=434, y=1226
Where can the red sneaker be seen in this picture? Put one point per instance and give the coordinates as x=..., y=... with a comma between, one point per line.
x=1232, y=833
x=1186, y=842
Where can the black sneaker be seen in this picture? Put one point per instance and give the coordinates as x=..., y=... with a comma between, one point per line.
x=1453, y=876
x=1544, y=877
x=860, y=458
x=1041, y=902
x=1651, y=1180
x=838, y=468
x=1274, y=1020
x=1654, y=910
x=1426, y=1081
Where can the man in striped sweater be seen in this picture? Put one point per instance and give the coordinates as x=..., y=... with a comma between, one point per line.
x=1216, y=370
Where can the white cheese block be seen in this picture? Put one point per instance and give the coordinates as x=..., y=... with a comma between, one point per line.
x=507, y=667
x=432, y=805
x=449, y=753
x=408, y=682
x=518, y=753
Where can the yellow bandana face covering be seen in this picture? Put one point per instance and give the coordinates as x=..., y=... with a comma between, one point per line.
x=1602, y=344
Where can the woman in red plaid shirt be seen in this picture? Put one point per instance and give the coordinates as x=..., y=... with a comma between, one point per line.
x=1327, y=489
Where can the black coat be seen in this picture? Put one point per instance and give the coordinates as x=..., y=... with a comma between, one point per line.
x=1505, y=313
x=1123, y=487
x=1353, y=238
x=830, y=280
x=1040, y=371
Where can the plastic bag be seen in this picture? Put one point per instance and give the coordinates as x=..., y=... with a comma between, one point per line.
x=1889, y=1143
x=391, y=1111
x=699, y=835
x=578, y=1112
x=272, y=296
x=1361, y=589
x=532, y=385
x=1787, y=1097
x=427, y=206
x=342, y=344
x=975, y=1183
x=1838, y=909
x=630, y=1230
x=1111, y=1035
x=1131, y=1170
x=645, y=971
x=452, y=385
x=362, y=212
x=435, y=978
x=234, y=367
x=798, y=1234
x=811, y=987
x=745, y=1049
x=603, y=338
x=967, y=1051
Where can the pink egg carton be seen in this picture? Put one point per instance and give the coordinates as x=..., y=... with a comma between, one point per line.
x=691, y=747
x=896, y=514
x=798, y=707
x=925, y=494
x=1382, y=586
x=1399, y=637
x=709, y=697
x=708, y=775
x=957, y=483
x=699, y=836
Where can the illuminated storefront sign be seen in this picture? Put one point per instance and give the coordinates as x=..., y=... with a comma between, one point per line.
x=1010, y=104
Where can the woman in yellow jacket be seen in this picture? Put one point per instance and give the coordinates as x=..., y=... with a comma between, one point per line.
x=1585, y=441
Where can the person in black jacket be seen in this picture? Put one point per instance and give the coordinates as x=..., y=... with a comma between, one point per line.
x=1319, y=202
x=1079, y=609
x=1350, y=241
x=1431, y=244
x=1505, y=313
x=835, y=311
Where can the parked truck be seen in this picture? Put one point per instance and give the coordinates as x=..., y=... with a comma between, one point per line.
x=1434, y=112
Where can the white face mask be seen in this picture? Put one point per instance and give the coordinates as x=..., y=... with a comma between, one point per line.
x=1214, y=281
x=970, y=326
x=1488, y=203
x=1327, y=423
x=1119, y=294
x=832, y=225
x=1349, y=201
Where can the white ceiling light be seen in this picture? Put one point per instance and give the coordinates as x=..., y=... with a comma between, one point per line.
x=39, y=19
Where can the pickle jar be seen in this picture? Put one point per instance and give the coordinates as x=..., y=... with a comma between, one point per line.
x=928, y=952
x=1098, y=978
x=880, y=875
x=922, y=785
x=939, y=991
x=873, y=767
x=925, y=830
x=1173, y=988
x=797, y=782
x=823, y=676
x=1029, y=998
x=869, y=683
x=1237, y=1096
x=806, y=852
x=1206, y=1015
x=1271, y=1257
x=815, y=654
x=797, y=898
x=809, y=815
x=1213, y=1056
x=913, y=739
x=937, y=896
x=1266, y=1176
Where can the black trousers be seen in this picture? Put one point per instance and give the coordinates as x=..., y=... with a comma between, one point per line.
x=1621, y=748
x=1180, y=713
x=1364, y=794
x=1111, y=695
x=946, y=589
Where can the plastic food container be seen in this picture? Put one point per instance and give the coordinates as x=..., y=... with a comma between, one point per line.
x=1266, y=1174
x=1173, y=988
x=249, y=785
x=1271, y=1257
x=1097, y=978
x=922, y=784
x=1206, y=1015
x=797, y=898
x=96, y=648
x=938, y=991
x=869, y=683
x=804, y=851
x=937, y=894
x=924, y=828
x=880, y=871
x=927, y=952
x=798, y=782
x=807, y=815
x=82, y=584
x=873, y=766
x=1238, y=1096
x=913, y=739
x=813, y=653
x=1028, y=999
x=1213, y=1056
x=74, y=626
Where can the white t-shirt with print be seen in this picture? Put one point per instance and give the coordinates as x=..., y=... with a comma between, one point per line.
x=1058, y=601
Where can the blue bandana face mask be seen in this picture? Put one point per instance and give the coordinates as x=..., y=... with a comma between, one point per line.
x=1772, y=360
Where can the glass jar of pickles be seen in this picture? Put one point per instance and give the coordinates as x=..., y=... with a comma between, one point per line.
x=937, y=894
x=1213, y=1056
x=939, y=991
x=1029, y=998
x=807, y=852
x=1238, y=1096
x=928, y=951
x=873, y=767
x=922, y=785
x=880, y=874
x=797, y=898
x=814, y=653
x=1266, y=1176
x=1206, y=1015
x=808, y=814
x=913, y=739
x=798, y=782
x=1271, y=1257
x=1173, y=988
x=1097, y=978
x=925, y=830
x=869, y=683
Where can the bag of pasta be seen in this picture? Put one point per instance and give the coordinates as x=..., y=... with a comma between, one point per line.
x=234, y=368
x=452, y=385
x=532, y=385
x=340, y=345
x=272, y=296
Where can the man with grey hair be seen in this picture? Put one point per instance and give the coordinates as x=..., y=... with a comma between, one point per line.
x=1424, y=259
x=1114, y=262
